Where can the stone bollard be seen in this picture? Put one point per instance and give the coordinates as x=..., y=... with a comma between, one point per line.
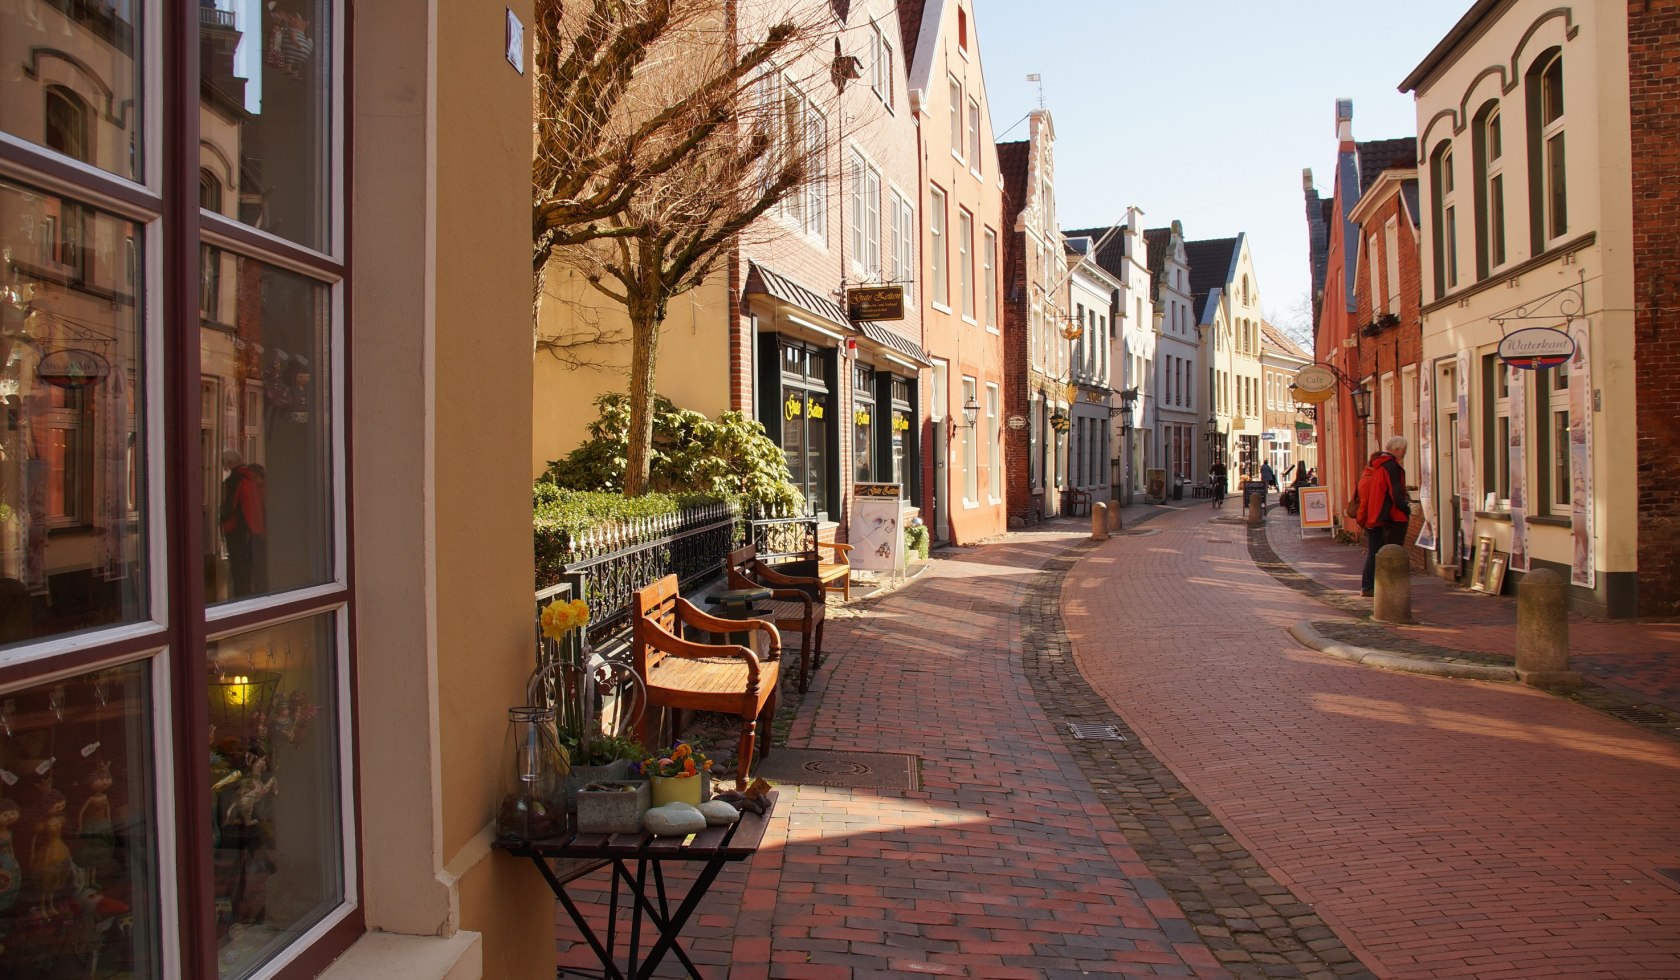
x=1114, y=522
x=1256, y=510
x=1543, y=632
x=1391, y=596
x=1099, y=521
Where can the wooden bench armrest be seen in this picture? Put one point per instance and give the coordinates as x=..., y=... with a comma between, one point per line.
x=841, y=551
x=690, y=615
x=741, y=580
x=798, y=594
x=771, y=577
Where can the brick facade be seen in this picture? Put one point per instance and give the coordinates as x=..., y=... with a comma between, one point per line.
x=1654, y=109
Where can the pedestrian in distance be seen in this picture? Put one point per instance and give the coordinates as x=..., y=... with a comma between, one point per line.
x=1216, y=479
x=1382, y=505
x=1268, y=476
x=244, y=524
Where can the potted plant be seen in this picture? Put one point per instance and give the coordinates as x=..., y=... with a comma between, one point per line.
x=603, y=758
x=678, y=774
x=570, y=682
x=611, y=806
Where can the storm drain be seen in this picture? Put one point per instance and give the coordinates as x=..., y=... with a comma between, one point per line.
x=1095, y=733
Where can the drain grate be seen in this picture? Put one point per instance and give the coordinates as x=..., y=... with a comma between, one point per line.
x=1097, y=733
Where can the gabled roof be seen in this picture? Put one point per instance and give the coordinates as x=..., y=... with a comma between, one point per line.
x=1112, y=256
x=1409, y=191
x=1375, y=156
x=1012, y=164
x=1271, y=336
x=1159, y=241
x=910, y=27
x=1211, y=261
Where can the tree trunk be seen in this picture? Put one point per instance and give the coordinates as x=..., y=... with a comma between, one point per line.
x=645, y=323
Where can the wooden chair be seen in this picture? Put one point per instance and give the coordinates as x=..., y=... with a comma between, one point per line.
x=1078, y=498
x=796, y=603
x=681, y=675
x=836, y=573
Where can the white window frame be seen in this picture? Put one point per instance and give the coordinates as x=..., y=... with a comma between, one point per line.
x=1391, y=265
x=965, y=262
x=1493, y=142
x=974, y=137
x=994, y=442
x=938, y=257
x=1559, y=478
x=955, y=116
x=866, y=216
x=970, y=461
x=880, y=70
x=903, y=217
x=1554, y=174
x=1449, y=219
x=989, y=271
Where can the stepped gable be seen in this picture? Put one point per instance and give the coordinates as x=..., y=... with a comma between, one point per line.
x=1159, y=240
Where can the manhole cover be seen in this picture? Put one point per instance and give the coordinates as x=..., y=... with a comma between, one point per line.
x=1099, y=733
x=835, y=767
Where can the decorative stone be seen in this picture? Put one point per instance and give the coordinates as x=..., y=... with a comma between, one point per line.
x=615, y=807
x=719, y=813
x=673, y=820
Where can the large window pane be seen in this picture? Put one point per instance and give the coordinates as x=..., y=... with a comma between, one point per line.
x=277, y=824
x=71, y=522
x=265, y=114
x=266, y=429
x=71, y=81
x=78, y=845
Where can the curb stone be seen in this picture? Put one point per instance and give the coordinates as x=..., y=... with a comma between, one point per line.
x=1308, y=636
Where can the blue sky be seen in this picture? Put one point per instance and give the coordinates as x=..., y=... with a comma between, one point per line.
x=1206, y=110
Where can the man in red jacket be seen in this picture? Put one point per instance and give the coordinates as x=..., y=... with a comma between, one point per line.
x=1385, y=507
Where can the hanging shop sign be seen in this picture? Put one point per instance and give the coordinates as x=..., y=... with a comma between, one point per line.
x=1314, y=384
x=1017, y=422
x=875, y=303
x=1532, y=348
x=72, y=368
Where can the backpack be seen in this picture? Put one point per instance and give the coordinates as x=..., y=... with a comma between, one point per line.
x=1351, y=511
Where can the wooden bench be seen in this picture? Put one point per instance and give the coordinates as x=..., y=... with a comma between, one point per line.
x=796, y=603
x=837, y=573
x=681, y=675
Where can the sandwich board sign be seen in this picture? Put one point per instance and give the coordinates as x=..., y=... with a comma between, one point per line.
x=877, y=527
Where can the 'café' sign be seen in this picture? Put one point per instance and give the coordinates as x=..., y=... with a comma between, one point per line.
x=1536, y=347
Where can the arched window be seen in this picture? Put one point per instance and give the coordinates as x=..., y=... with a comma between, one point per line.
x=1445, y=234
x=1488, y=150
x=67, y=124
x=1548, y=193
x=209, y=192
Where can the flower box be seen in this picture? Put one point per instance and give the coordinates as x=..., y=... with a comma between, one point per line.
x=617, y=770
x=612, y=807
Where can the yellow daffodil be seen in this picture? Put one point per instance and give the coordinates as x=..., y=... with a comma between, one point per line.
x=560, y=618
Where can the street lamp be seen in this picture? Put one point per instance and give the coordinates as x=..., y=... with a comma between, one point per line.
x=1126, y=416
x=971, y=411
x=1361, y=401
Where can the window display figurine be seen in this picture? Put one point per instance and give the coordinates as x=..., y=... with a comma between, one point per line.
x=11, y=875
x=253, y=789
x=94, y=832
x=49, y=856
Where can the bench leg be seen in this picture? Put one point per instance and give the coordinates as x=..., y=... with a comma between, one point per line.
x=744, y=753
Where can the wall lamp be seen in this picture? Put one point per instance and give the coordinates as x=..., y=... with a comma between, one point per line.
x=971, y=411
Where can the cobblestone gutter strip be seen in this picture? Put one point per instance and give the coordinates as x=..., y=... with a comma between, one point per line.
x=1254, y=925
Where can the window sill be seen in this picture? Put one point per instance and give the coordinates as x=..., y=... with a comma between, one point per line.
x=994, y=330
x=970, y=504
x=970, y=320
x=1503, y=516
x=390, y=956
x=941, y=307
x=1551, y=520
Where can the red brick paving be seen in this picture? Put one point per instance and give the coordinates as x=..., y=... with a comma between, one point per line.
x=1641, y=658
x=1443, y=827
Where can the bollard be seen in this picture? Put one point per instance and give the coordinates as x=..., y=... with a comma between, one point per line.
x=1256, y=510
x=1114, y=522
x=1099, y=521
x=1543, y=632
x=1391, y=596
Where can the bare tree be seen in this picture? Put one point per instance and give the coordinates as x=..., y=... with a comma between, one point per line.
x=659, y=141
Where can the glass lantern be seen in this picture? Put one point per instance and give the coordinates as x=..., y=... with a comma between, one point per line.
x=533, y=804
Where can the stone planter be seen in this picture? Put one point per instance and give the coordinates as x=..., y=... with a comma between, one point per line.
x=617, y=808
x=581, y=776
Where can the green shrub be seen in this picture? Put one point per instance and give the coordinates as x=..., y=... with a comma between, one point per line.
x=917, y=539
x=728, y=457
x=560, y=516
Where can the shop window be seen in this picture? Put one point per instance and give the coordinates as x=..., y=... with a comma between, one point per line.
x=79, y=866
x=863, y=424
x=903, y=427
x=806, y=407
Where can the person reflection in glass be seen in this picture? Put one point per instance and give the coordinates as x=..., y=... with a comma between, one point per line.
x=244, y=524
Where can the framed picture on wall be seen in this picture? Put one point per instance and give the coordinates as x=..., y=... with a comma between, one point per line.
x=1494, y=582
x=1480, y=561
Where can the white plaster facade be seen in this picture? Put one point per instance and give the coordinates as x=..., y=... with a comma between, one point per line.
x=1179, y=406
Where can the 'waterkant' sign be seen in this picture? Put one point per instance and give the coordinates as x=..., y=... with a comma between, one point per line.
x=1536, y=347
x=72, y=368
x=875, y=303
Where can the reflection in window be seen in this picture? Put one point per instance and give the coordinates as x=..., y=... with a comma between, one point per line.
x=267, y=459
x=70, y=535
x=71, y=83
x=78, y=846
x=276, y=835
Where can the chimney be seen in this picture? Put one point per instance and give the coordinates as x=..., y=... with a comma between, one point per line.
x=1344, y=120
x=1306, y=179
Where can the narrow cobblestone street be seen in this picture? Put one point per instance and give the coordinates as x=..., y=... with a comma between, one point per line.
x=1270, y=811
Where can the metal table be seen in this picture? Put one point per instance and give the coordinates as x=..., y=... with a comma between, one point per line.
x=712, y=848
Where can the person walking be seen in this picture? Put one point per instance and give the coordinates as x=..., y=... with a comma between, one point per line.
x=1216, y=478
x=1384, y=507
x=1268, y=476
x=244, y=524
